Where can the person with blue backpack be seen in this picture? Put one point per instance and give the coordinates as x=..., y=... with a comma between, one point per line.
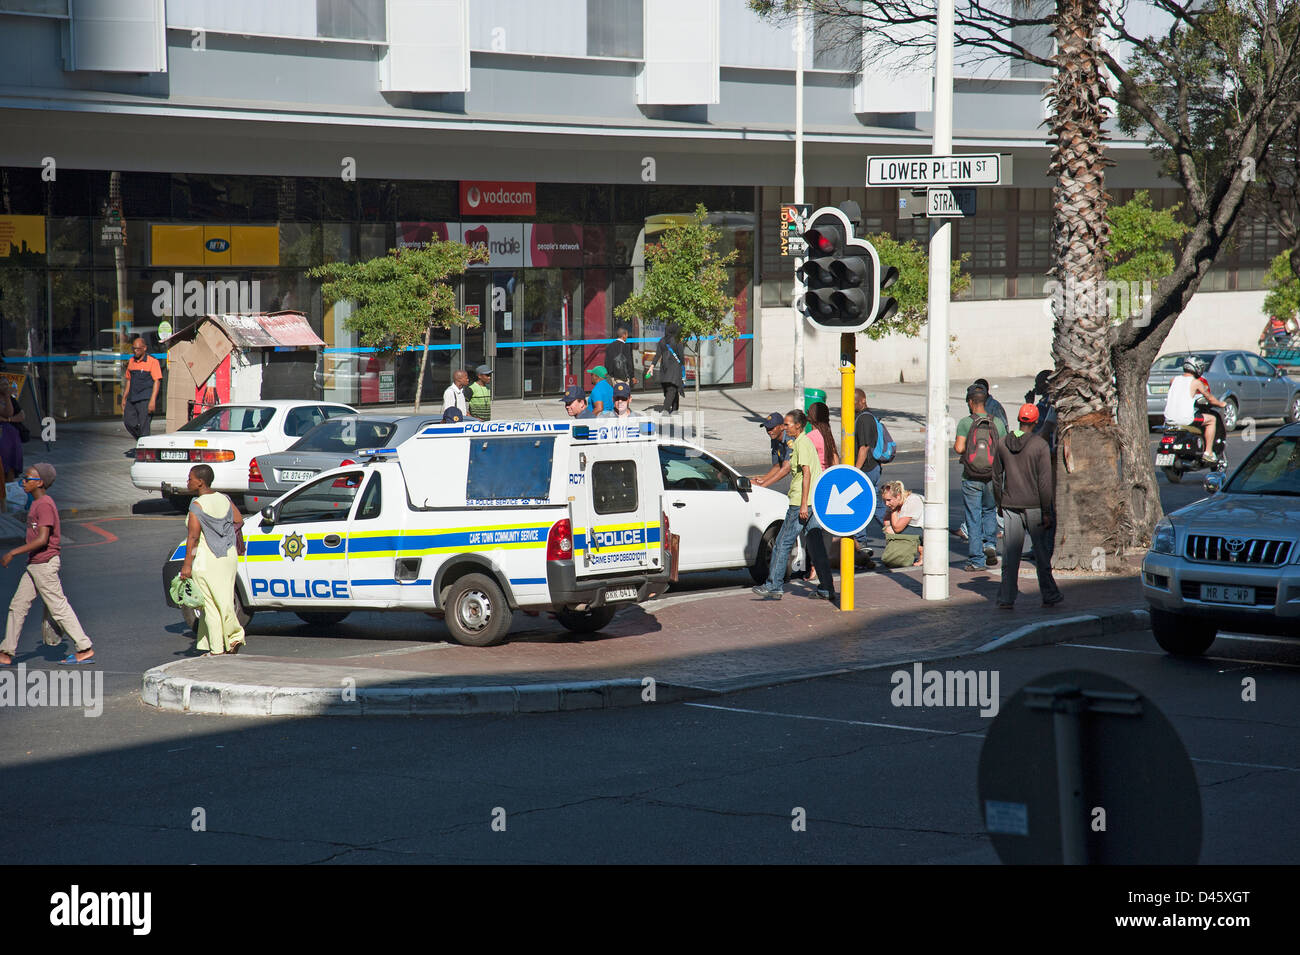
x=875, y=448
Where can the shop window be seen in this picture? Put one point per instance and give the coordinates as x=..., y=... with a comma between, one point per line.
x=615, y=28
x=1034, y=241
x=351, y=19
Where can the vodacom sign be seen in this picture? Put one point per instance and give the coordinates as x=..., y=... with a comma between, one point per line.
x=479, y=198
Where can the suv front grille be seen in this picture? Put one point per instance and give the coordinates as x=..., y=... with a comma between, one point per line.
x=1264, y=596
x=1237, y=550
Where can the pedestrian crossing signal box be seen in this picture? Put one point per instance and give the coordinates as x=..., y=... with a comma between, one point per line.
x=842, y=276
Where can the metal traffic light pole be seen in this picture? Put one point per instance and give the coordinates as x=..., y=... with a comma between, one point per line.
x=934, y=562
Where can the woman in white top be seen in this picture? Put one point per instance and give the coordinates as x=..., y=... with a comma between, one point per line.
x=904, y=514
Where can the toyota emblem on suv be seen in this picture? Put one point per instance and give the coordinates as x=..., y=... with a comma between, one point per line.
x=1235, y=546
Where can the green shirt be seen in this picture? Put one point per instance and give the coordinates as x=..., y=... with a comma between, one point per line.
x=480, y=401
x=803, y=453
x=964, y=426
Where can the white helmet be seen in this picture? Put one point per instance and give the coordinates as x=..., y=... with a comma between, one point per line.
x=1194, y=365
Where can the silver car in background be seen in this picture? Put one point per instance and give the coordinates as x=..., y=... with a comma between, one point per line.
x=1250, y=386
x=331, y=444
x=1232, y=560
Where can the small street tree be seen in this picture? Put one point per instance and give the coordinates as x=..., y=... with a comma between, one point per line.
x=1283, y=299
x=685, y=287
x=912, y=290
x=401, y=297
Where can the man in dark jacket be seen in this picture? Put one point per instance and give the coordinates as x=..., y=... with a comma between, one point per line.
x=618, y=357
x=1023, y=488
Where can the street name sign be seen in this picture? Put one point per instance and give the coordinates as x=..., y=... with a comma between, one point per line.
x=949, y=203
x=843, y=500
x=976, y=169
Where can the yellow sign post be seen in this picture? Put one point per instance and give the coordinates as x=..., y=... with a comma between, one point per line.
x=848, y=454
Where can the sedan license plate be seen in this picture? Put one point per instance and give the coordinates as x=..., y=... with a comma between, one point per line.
x=294, y=475
x=173, y=455
x=1159, y=389
x=620, y=593
x=1220, y=593
x=1164, y=460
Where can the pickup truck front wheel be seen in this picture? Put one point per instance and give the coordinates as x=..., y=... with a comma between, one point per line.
x=476, y=611
x=586, y=621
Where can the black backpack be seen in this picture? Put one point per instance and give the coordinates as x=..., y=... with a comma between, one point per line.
x=981, y=443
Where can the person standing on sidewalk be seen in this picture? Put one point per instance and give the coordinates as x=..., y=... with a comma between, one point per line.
x=42, y=576
x=211, y=561
x=454, y=395
x=1022, y=486
x=866, y=430
x=602, y=393
x=805, y=468
x=140, y=386
x=774, y=425
x=667, y=367
x=480, y=394
x=978, y=435
x=618, y=355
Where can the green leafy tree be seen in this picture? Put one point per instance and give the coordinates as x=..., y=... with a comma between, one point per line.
x=401, y=297
x=1139, y=240
x=912, y=290
x=1283, y=299
x=686, y=287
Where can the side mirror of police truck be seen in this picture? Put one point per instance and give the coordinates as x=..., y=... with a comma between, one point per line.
x=268, y=515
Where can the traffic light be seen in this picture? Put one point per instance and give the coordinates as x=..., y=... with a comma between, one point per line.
x=841, y=276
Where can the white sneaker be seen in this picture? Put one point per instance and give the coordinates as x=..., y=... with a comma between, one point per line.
x=1209, y=456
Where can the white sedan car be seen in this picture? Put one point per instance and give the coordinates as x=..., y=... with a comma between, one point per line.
x=226, y=438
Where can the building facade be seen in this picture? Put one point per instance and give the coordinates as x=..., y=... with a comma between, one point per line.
x=164, y=158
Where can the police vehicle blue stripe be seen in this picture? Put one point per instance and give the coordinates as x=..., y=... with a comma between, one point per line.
x=391, y=582
x=528, y=580
x=178, y=553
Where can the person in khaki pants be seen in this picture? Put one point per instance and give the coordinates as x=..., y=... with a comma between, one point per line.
x=42, y=575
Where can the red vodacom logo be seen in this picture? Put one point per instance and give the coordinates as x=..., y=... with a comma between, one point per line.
x=498, y=198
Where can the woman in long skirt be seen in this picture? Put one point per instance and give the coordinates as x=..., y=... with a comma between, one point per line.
x=211, y=561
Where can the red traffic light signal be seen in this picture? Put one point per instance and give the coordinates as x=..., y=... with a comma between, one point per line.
x=842, y=276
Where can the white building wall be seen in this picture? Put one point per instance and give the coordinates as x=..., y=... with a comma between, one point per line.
x=993, y=339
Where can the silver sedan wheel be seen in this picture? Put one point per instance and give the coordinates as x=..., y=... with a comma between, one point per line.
x=1230, y=415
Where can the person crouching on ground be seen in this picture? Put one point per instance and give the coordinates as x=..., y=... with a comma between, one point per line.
x=42, y=576
x=1022, y=486
x=211, y=561
x=805, y=468
x=904, y=516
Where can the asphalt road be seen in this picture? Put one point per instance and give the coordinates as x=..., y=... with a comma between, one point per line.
x=680, y=782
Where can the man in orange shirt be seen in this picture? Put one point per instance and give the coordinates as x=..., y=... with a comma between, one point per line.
x=140, y=387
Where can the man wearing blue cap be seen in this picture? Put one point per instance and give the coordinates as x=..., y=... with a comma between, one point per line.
x=452, y=415
x=575, y=403
x=622, y=403
x=774, y=425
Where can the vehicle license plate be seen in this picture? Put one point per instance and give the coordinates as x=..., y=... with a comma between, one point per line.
x=1159, y=389
x=173, y=455
x=1219, y=593
x=294, y=475
x=1164, y=460
x=620, y=593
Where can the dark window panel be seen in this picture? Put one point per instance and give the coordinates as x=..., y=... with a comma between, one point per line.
x=615, y=28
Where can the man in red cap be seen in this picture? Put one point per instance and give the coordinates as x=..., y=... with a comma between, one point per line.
x=1025, y=495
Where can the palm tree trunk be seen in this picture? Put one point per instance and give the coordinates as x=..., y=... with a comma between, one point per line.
x=424, y=360
x=1089, y=508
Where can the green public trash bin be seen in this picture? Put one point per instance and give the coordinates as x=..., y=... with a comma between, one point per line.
x=811, y=395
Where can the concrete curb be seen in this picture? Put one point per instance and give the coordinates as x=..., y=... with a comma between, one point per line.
x=186, y=695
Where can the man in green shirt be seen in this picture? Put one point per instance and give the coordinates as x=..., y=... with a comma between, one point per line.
x=805, y=468
x=480, y=394
x=978, y=435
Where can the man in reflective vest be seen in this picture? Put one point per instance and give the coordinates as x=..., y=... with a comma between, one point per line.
x=480, y=394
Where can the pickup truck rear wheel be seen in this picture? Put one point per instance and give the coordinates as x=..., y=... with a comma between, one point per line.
x=477, y=613
x=586, y=621
x=321, y=619
x=1181, y=636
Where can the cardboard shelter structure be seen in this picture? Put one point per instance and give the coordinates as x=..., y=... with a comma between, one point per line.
x=223, y=358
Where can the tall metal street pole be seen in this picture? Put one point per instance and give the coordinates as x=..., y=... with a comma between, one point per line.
x=800, y=40
x=935, y=526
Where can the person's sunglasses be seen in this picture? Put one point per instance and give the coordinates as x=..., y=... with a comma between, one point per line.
x=26, y=478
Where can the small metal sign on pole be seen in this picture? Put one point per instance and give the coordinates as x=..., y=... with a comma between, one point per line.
x=793, y=217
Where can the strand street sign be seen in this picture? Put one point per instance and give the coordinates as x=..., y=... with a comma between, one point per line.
x=942, y=203
x=975, y=169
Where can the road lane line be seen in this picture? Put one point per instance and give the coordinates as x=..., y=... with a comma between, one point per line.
x=828, y=719
x=1224, y=762
x=1161, y=653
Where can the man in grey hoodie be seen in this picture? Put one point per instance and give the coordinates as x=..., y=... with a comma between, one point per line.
x=1025, y=495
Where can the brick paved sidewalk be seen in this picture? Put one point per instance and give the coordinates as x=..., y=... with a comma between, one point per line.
x=711, y=642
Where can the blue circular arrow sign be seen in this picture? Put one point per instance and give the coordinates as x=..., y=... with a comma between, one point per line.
x=843, y=500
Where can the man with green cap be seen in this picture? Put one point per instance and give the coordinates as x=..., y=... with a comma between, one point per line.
x=602, y=395
x=480, y=394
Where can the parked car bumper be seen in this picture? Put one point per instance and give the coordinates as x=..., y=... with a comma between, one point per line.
x=1173, y=584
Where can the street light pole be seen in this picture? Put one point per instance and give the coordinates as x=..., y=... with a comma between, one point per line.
x=799, y=39
x=935, y=561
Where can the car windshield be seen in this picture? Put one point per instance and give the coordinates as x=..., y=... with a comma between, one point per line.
x=1174, y=363
x=1274, y=468
x=339, y=435
x=244, y=419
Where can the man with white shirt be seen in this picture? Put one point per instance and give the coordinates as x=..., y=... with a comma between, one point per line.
x=454, y=396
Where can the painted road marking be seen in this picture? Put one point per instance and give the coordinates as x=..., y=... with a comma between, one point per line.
x=1161, y=653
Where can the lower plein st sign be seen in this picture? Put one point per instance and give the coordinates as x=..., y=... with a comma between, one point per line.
x=843, y=500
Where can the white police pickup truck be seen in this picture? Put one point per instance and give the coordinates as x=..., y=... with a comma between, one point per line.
x=478, y=519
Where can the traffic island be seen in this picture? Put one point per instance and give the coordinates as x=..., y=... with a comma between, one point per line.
x=681, y=647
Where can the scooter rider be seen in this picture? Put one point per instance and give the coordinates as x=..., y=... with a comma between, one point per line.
x=1180, y=404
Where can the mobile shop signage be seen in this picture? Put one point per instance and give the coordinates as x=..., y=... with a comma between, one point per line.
x=976, y=169
x=793, y=216
x=493, y=198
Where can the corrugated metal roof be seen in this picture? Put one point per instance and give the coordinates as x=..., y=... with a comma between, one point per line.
x=261, y=330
